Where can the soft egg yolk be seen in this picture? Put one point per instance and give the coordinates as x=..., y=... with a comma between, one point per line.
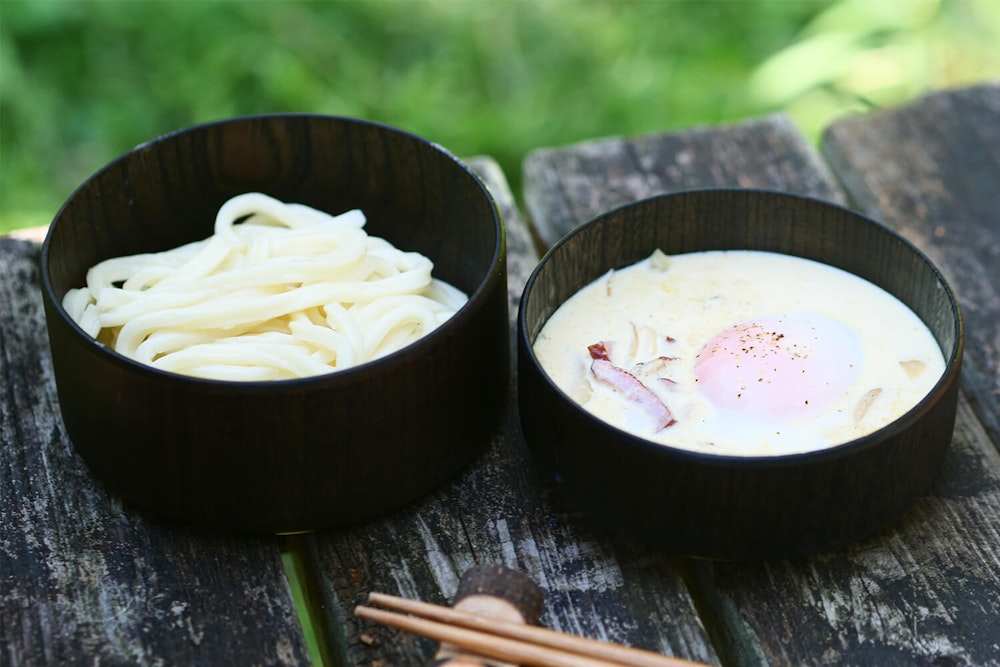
x=779, y=368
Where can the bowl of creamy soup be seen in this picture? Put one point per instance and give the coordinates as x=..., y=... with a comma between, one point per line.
x=738, y=374
x=278, y=323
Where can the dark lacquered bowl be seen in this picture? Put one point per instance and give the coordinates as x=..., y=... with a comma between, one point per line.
x=298, y=454
x=730, y=507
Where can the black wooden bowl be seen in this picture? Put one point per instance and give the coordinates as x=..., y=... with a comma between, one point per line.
x=731, y=507
x=298, y=454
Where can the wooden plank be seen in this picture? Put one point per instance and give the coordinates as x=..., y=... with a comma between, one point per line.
x=936, y=571
x=564, y=187
x=931, y=171
x=498, y=511
x=87, y=581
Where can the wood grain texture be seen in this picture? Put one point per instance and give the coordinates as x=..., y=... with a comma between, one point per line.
x=284, y=456
x=88, y=581
x=564, y=187
x=931, y=171
x=733, y=509
x=497, y=511
x=924, y=590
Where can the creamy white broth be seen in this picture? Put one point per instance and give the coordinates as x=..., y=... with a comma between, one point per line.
x=823, y=356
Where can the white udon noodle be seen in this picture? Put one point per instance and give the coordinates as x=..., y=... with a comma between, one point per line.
x=288, y=292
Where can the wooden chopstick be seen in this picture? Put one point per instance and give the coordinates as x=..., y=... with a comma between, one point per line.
x=483, y=643
x=516, y=642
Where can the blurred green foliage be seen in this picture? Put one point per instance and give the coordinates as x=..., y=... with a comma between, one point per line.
x=82, y=82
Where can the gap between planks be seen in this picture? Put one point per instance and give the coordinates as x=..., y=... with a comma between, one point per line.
x=304, y=583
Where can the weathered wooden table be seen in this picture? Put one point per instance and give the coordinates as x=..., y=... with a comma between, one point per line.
x=86, y=580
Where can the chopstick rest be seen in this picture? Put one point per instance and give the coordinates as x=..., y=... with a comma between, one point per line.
x=491, y=591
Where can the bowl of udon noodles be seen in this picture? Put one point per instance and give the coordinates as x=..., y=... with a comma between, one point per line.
x=278, y=323
x=738, y=374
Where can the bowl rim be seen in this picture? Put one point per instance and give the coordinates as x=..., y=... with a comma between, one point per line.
x=393, y=359
x=905, y=421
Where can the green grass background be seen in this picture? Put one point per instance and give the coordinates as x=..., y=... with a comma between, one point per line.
x=83, y=81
